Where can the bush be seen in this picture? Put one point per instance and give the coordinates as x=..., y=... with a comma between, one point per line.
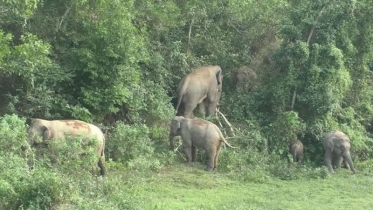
x=71, y=155
x=287, y=127
x=20, y=187
x=42, y=190
x=290, y=171
x=13, y=135
x=13, y=175
x=131, y=145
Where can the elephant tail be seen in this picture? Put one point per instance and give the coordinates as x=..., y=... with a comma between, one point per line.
x=223, y=139
x=181, y=90
x=103, y=145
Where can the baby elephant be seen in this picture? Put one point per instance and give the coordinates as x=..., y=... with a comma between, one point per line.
x=198, y=134
x=337, y=148
x=296, y=149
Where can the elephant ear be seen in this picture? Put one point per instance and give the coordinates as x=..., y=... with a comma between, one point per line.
x=46, y=133
x=177, y=121
x=219, y=76
x=176, y=125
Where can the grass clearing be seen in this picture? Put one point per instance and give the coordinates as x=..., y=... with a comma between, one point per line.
x=189, y=187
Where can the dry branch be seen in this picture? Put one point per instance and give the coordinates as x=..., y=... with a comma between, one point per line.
x=63, y=17
x=190, y=34
x=314, y=25
x=308, y=43
x=226, y=121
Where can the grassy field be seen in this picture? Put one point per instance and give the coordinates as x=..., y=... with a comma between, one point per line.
x=189, y=187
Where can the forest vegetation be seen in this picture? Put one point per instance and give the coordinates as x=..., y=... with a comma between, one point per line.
x=117, y=64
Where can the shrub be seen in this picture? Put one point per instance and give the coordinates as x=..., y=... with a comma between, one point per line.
x=13, y=134
x=290, y=171
x=287, y=127
x=42, y=190
x=20, y=187
x=132, y=146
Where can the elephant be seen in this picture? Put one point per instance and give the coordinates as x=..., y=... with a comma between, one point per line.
x=337, y=149
x=57, y=129
x=198, y=134
x=245, y=77
x=201, y=87
x=296, y=149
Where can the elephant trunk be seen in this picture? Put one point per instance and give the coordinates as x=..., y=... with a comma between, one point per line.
x=172, y=145
x=349, y=160
x=28, y=155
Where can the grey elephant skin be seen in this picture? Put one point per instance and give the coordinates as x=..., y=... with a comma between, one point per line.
x=58, y=129
x=245, y=77
x=202, y=87
x=297, y=149
x=198, y=134
x=337, y=148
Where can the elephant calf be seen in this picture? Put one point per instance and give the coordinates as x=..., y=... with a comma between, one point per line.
x=198, y=134
x=57, y=129
x=296, y=149
x=337, y=148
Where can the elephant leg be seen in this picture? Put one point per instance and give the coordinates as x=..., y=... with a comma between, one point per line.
x=188, y=153
x=294, y=154
x=194, y=154
x=346, y=164
x=211, y=109
x=347, y=157
x=189, y=107
x=211, y=154
x=328, y=161
x=213, y=98
x=202, y=108
x=336, y=162
x=102, y=167
x=217, y=156
x=300, y=159
x=171, y=140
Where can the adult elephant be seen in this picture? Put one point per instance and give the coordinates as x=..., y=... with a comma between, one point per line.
x=337, y=148
x=198, y=134
x=58, y=129
x=245, y=77
x=201, y=87
x=296, y=149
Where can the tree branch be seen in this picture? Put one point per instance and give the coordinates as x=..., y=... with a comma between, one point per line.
x=190, y=34
x=308, y=43
x=314, y=25
x=293, y=99
x=225, y=119
x=63, y=17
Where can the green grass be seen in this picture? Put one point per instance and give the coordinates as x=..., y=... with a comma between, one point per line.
x=189, y=187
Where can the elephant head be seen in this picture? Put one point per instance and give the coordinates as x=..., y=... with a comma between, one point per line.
x=337, y=148
x=39, y=128
x=245, y=77
x=202, y=87
x=175, y=130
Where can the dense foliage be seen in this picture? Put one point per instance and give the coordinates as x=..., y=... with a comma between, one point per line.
x=118, y=63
